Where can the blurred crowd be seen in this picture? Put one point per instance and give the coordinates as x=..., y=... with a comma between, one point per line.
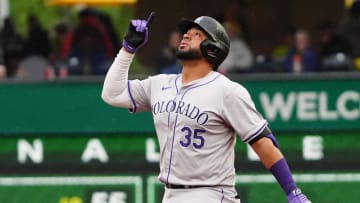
x=89, y=47
x=334, y=46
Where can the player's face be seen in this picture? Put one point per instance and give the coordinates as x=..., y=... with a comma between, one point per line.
x=189, y=48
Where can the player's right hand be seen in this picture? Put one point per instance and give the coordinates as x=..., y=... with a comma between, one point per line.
x=296, y=196
x=137, y=34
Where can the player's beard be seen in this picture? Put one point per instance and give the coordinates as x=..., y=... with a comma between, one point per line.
x=191, y=54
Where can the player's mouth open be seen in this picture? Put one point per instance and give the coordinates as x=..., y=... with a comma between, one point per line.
x=183, y=45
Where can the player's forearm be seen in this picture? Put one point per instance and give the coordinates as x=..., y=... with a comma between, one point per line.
x=116, y=79
x=267, y=152
x=274, y=161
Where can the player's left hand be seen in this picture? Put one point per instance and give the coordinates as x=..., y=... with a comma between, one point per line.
x=137, y=34
x=296, y=196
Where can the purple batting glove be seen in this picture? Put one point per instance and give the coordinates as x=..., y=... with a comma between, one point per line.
x=136, y=36
x=296, y=196
x=140, y=25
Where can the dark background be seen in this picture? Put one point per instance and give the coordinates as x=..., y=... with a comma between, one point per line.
x=265, y=20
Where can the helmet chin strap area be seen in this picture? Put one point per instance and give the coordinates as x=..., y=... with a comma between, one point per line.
x=210, y=50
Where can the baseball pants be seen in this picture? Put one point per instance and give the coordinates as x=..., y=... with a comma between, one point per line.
x=201, y=194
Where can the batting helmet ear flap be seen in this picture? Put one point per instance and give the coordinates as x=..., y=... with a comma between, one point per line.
x=213, y=52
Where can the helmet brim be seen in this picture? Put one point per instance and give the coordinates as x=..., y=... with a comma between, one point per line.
x=185, y=24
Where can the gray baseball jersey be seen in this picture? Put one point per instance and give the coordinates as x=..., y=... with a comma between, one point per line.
x=196, y=125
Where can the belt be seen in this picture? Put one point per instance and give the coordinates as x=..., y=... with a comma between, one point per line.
x=175, y=186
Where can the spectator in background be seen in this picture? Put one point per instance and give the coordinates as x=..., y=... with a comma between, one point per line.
x=335, y=50
x=88, y=49
x=302, y=57
x=2, y=67
x=330, y=42
x=166, y=60
x=38, y=42
x=2, y=72
x=35, y=65
x=13, y=47
x=283, y=47
x=58, y=36
x=240, y=57
x=109, y=27
x=235, y=13
x=349, y=27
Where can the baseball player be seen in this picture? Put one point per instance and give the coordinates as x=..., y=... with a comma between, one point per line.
x=198, y=115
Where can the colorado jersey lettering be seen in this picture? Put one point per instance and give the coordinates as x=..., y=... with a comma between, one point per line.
x=190, y=125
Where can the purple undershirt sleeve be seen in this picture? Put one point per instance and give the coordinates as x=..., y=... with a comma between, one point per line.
x=282, y=173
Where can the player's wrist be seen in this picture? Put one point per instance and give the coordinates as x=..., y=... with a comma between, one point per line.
x=282, y=173
x=125, y=54
x=128, y=47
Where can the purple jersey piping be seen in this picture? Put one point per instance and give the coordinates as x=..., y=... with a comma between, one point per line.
x=223, y=196
x=198, y=86
x=177, y=91
x=173, y=137
x=177, y=88
x=132, y=98
x=172, y=147
x=172, y=144
x=256, y=133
